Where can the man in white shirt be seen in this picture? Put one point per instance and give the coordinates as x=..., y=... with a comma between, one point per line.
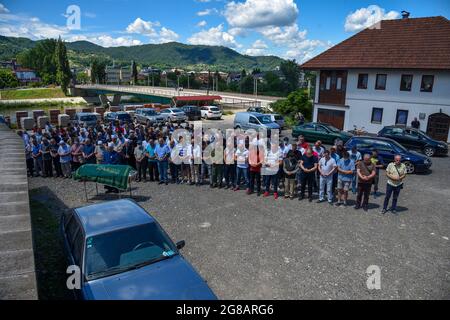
x=270, y=168
x=327, y=167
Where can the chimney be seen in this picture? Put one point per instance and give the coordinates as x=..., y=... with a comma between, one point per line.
x=405, y=14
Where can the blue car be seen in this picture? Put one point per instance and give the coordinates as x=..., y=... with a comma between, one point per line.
x=124, y=254
x=387, y=149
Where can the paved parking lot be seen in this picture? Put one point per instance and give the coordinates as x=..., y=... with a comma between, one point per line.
x=253, y=248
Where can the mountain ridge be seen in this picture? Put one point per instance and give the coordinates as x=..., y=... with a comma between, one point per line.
x=166, y=55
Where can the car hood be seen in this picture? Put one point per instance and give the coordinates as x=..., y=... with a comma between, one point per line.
x=272, y=125
x=415, y=155
x=171, y=279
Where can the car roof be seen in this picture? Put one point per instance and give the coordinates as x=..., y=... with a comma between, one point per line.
x=112, y=215
x=85, y=113
x=400, y=127
x=147, y=109
x=373, y=138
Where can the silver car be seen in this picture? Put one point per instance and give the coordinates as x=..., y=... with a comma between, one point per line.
x=85, y=119
x=148, y=116
x=173, y=115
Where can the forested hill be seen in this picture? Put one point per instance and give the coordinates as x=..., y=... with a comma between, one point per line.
x=172, y=54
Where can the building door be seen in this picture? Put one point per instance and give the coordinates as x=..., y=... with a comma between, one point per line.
x=334, y=117
x=438, y=126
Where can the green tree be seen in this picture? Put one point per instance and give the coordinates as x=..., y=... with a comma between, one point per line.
x=63, y=73
x=82, y=77
x=98, y=73
x=8, y=79
x=291, y=72
x=41, y=58
x=297, y=102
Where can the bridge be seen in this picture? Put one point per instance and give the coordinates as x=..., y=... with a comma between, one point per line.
x=165, y=95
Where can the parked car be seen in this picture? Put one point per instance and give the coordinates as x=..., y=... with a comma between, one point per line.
x=122, y=116
x=173, y=115
x=86, y=119
x=258, y=110
x=326, y=133
x=278, y=118
x=192, y=112
x=148, y=116
x=124, y=254
x=211, y=112
x=256, y=121
x=387, y=149
x=414, y=139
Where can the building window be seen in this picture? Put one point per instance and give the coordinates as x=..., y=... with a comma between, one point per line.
x=339, y=83
x=427, y=83
x=402, y=117
x=362, y=80
x=406, y=82
x=380, y=84
x=377, y=115
x=328, y=83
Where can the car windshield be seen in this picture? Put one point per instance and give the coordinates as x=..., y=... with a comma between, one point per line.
x=88, y=118
x=177, y=110
x=123, y=116
x=332, y=129
x=214, y=109
x=126, y=249
x=149, y=112
x=278, y=117
x=398, y=147
x=265, y=119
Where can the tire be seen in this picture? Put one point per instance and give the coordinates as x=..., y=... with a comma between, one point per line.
x=429, y=151
x=410, y=169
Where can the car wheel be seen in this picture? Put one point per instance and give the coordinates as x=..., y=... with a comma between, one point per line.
x=429, y=151
x=409, y=167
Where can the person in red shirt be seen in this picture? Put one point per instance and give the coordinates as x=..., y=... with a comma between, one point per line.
x=302, y=143
x=255, y=160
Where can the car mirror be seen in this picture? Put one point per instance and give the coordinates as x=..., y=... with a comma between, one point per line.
x=181, y=244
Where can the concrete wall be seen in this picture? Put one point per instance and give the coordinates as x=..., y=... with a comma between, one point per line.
x=17, y=270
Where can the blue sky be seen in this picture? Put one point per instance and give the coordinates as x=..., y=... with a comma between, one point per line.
x=292, y=29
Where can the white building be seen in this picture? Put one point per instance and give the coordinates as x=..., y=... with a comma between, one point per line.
x=389, y=74
x=117, y=75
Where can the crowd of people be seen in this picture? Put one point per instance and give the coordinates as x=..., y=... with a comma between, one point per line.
x=294, y=169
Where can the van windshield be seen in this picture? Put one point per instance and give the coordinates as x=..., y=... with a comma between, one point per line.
x=265, y=119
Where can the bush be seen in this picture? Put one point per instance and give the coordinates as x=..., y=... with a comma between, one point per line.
x=297, y=103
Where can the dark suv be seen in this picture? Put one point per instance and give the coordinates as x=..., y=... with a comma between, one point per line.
x=192, y=112
x=387, y=149
x=415, y=139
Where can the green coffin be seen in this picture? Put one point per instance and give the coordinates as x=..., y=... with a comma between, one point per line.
x=110, y=175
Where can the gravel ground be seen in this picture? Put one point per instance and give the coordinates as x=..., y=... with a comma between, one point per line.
x=253, y=248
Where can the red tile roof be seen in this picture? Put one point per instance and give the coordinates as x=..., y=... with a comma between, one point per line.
x=413, y=43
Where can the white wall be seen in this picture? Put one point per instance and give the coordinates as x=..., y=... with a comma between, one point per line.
x=361, y=101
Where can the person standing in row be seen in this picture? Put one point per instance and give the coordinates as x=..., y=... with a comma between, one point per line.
x=55, y=157
x=241, y=165
x=290, y=168
x=366, y=173
x=396, y=173
x=64, y=158
x=162, y=152
x=327, y=167
x=346, y=169
x=308, y=164
x=141, y=162
x=270, y=170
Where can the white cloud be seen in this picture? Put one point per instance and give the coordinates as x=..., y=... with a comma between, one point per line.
x=367, y=17
x=153, y=30
x=106, y=40
x=213, y=37
x=237, y=32
x=207, y=12
x=3, y=9
x=167, y=35
x=202, y=23
x=258, y=48
x=90, y=15
x=21, y=26
x=284, y=35
x=261, y=13
x=140, y=26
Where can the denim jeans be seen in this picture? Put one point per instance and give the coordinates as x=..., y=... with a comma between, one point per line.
x=271, y=180
x=241, y=172
x=328, y=182
x=162, y=168
x=229, y=173
x=391, y=190
x=255, y=180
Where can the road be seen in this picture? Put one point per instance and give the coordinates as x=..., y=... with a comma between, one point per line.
x=249, y=247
